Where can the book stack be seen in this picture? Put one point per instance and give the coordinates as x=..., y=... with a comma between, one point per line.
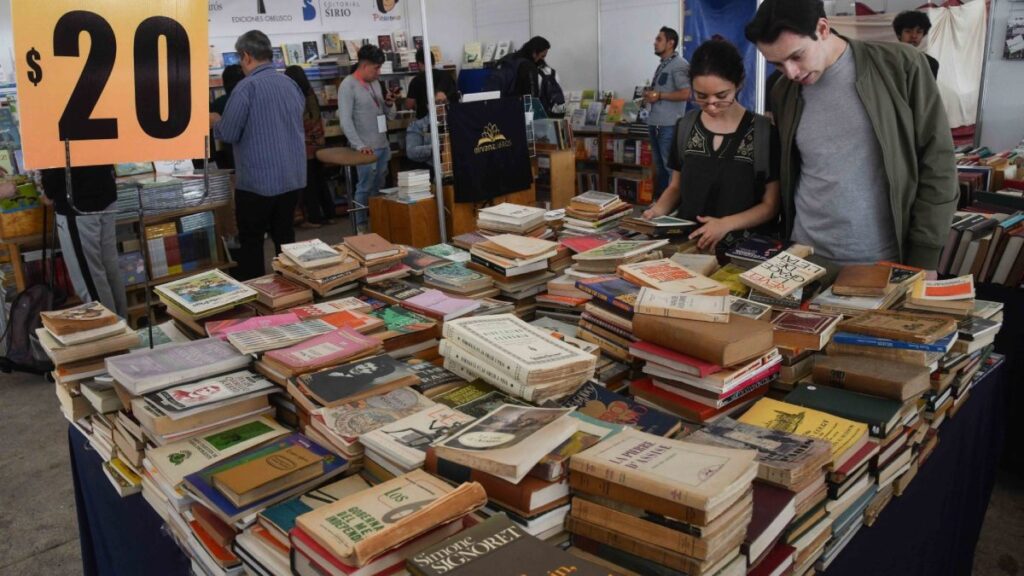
x=605, y=259
x=594, y=212
x=515, y=357
x=790, y=491
x=374, y=531
x=607, y=318
x=414, y=185
x=953, y=297
x=458, y=280
x=77, y=340
x=985, y=245
x=562, y=300
x=274, y=293
x=517, y=264
x=823, y=532
x=418, y=261
x=513, y=219
x=407, y=333
x=703, y=362
x=860, y=288
x=650, y=504
x=659, y=226
x=257, y=335
x=909, y=337
x=204, y=296
x=328, y=349
x=449, y=252
x=339, y=275
x=382, y=259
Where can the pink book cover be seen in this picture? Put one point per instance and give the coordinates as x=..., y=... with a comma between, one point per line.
x=440, y=303
x=703, y=368
x=330, y=348
x=583, y=243
x=221, y=328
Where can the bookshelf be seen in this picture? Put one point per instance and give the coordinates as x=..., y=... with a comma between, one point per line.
x=556, y=176
x=609, y=162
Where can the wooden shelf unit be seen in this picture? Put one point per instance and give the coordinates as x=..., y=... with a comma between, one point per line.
x=606, y=168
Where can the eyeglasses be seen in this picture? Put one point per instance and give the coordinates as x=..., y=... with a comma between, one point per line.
x=719, y=102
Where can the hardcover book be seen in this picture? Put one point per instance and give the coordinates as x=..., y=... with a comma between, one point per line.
x=669, y=276
x=796, y=329
x=358, y=380
x=268, y=473
x=275, y=291
x=509, y=441
x=371, y=246
x=880, y=414
x=702, y=477
x=923, y=328
x=205, y=294
x=363, y=526
x=313, y=253
x=877, y=377
x=862, y=280
x=844, y=435
x=783, y=458
x=611, y=290
x=143, y=371
x=496, y=543
x=782, y=275
x=201, y=483
x=186, y=398
x=598, y=402
x=725, y=344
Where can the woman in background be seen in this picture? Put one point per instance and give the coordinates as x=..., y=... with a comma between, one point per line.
x=316, y=198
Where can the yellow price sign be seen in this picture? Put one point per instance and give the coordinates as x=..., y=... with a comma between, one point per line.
x=124, y=81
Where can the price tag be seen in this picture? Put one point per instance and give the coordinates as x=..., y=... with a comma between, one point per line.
x=123, y=81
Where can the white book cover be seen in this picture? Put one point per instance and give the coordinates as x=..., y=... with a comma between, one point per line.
x=405, y=441
x=206, y=292
x=311, y=253
x=690, y=306
x=782, y=275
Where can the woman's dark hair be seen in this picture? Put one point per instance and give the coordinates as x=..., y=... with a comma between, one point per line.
x=371, y=54
x=231, y=76
x=382, y=9
x=534, y=45
x=718, y=57
x=911, y=19
x=777, y=16
x=297, y=74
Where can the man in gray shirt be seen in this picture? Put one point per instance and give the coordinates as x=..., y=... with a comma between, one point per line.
x=667, y=98
x=364, y=112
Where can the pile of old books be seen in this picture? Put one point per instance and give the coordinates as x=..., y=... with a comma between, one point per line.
x=274, y=293
x=860, y=288
x=382, y=259
x=326, y=270
x=594, y=212
x=783, y=281
x=205, y=296
x=414, y=185
x=517, y=264
x=515, y=357
x=457, y=279
x=512, y=219
x=659, y=226
x=650, y=504
x=606, y=258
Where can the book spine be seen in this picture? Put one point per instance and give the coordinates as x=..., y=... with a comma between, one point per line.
x=515, y=370
x=634, y=491
x=608, y=299
x=658, y=535
x=470, y=363
x=488, y=264
x=862, y=340
x=765, y=380
x=635, y=545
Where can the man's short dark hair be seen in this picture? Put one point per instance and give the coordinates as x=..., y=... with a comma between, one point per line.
x=672, y=35
x=371, y=54
x=777, y=16
x=911, y=19
x=255, y=44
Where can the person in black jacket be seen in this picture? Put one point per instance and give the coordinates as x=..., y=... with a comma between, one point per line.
x=530, y=55
x=87, y=232
x=911, y=27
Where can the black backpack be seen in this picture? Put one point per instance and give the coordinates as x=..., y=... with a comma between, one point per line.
x=23, y=351
x=504, y=74
x=551, y=94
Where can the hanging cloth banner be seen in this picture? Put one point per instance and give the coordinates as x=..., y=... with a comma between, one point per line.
x=489, y=149
x=727, y=18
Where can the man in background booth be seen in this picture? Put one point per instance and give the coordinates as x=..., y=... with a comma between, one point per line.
x=911, y=27
x=667, y=96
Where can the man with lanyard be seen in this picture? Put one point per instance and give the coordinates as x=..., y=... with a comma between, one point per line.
x=667, y=98
x=365, y=111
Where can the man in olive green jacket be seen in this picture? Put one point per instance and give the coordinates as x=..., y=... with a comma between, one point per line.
x=867, y=171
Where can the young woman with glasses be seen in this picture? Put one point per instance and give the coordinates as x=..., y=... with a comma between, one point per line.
x=714, y=181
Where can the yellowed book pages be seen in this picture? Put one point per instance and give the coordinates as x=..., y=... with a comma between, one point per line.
x=841, y=433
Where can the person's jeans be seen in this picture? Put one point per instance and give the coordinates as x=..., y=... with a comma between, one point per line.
x=661, y=147
x=257, y=215
x=371, y=178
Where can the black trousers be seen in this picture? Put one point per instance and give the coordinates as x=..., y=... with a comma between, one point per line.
x=316, y=198
x=257, y=215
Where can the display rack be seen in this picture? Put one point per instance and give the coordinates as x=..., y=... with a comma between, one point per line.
x=607, y=169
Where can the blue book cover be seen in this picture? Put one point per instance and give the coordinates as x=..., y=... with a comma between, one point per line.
x=942, y=345
x=201, y=483
x=612, y=290
x=598, y=402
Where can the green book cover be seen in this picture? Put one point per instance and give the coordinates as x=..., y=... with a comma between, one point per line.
x=878, y=413
x=398, y=319
x=454, y=274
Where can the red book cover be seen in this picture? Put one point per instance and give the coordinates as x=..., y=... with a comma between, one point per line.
x=583, y=243
x=220, y=554
x=868, y=450
x=326, y=349
x=352, y=319
x=773, y=511
x=778, y=561
x=689, y=409
x=673, y=359
x=274, y=285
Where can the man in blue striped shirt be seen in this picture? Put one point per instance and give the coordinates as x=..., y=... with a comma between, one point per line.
x=263, y=120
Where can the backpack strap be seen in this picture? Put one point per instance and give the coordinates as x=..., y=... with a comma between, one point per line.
x=762, y=147
x=684, y=126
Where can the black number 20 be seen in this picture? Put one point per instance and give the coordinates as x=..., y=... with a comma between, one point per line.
x=76, y=122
